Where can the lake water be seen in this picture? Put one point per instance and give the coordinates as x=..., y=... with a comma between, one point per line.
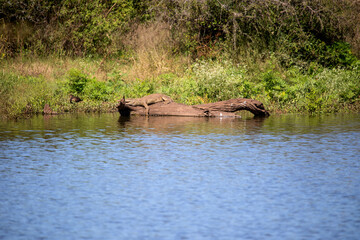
x=101, y=177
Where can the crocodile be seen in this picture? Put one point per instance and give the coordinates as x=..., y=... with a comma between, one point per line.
x=148, y=100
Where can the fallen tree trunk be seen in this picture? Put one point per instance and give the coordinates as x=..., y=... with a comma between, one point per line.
x=233, y=105
x=218, y=109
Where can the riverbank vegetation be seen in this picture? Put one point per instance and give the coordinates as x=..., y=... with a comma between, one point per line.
x=294, y=56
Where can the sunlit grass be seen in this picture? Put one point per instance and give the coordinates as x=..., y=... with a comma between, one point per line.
x=28, y=84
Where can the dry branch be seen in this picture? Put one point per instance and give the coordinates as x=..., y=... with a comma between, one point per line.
x=218, y=109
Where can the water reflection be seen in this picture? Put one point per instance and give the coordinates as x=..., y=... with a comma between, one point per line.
x=196, y=125
x=100, y=177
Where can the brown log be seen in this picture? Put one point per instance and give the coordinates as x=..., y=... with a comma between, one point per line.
x=218, y=109
x=48, y=111
x=233, y=105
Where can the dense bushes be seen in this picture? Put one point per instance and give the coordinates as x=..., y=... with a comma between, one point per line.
x=63, y=27
x=91, y=26
x=304, y=30
x=86, y=87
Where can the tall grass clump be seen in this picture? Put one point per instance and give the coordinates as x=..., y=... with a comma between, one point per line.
x=25, y=95
x=327, y=90
x=208, y=81
x=152, y=51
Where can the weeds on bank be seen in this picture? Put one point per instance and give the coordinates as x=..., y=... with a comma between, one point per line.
x=315, y=90
x=281, y=90
x=26, y=95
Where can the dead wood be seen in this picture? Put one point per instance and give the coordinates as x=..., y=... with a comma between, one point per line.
x=233, y=105
x=218, y=109
x=48, y=111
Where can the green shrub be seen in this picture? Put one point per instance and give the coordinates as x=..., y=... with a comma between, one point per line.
x=96, y=90
x=213, y=81
x=89, y=25
x=77, y=81
x=64, y=27
x=314, y=51
x=272, y=83
x=338, y=54
x=90, y=88
x=20, y=94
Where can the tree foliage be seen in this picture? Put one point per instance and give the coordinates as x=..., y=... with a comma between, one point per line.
x=324, y=31
x=69, y=27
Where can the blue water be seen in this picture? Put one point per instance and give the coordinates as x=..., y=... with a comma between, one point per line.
x=98, y=177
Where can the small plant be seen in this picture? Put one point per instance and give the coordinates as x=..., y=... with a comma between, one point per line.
x=77, y=81
x=96, y=90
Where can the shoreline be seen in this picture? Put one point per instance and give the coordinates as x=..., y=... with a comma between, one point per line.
x=27, y=85
x=351, y=109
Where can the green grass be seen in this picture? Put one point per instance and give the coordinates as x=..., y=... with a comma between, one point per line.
x=319, y=90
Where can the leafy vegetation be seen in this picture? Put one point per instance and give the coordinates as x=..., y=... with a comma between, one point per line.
x=295, y=56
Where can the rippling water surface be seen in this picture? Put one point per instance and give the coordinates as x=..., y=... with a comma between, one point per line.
x=101, y=177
